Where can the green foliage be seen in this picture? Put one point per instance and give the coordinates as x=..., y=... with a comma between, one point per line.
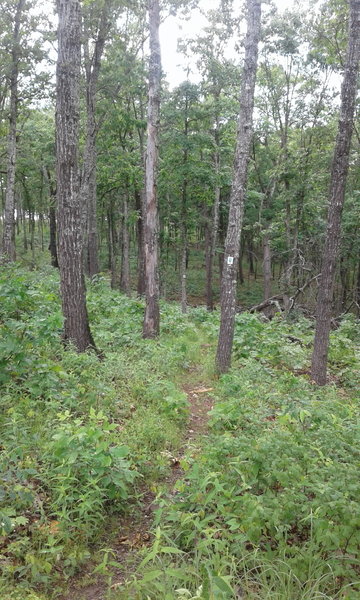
x=271, y=504
x=88, y=469
x=267, y=508
x=77, y=433
x=271, y=341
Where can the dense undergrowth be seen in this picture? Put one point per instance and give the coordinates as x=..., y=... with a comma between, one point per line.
x=269, y=503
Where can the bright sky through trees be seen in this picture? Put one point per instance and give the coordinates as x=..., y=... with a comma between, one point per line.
x=176, y=28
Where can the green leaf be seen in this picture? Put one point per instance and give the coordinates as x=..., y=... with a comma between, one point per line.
x=171, y=550
x=151, y=575
x=222, y=584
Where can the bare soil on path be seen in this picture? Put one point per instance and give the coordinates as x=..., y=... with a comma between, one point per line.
x=135, y=529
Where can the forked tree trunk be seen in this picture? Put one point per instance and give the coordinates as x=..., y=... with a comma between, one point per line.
x=237, y=198
x=339, y=172
x=76, y=325
x=151, y=325
x=8, y=245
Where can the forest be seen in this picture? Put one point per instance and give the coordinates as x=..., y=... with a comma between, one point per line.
x=179, y=300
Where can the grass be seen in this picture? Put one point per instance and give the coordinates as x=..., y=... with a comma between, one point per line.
x=268, y=505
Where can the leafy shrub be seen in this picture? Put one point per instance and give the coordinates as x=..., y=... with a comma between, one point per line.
x=87, y=470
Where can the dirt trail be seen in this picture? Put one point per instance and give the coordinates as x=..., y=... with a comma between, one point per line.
x=134, y=530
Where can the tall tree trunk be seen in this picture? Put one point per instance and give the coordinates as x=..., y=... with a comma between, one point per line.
x=344, y=278
x=76, y=325
x=183, y=242
x=237, y=198
x=8, y=245
x=339, y=172
x=41, y=228
x=17, y=220
x=112, y=237
x=221, y=240
x=267, y=266
x=151, y=325
x=52, y=225
x=52, y=217
x=241, y=271
x=88, y=184
x=25, y=240
x=210, y=255
x=357, y=291
x=32, y=240
x=125, y=285
x=139, y=203
x=250, y=249
x=268, y=194
x=183, y=214
x=289, y=262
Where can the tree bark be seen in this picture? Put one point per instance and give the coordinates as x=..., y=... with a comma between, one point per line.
x=357, y=291
x=183, y=267
x=112, y=245
x=339, y=172
x=52, y=218
x=76, y=325
x=139, y=202
x=210, y=254
x=250, y=249
x=267, y=265
x=237, y=198
x=88, y=183
x=8, y=246
x=25, y=240
x=125, y=284
x=240, y=268
x=151, y=324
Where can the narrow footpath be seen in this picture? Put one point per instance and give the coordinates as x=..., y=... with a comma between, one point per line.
x=135, y=528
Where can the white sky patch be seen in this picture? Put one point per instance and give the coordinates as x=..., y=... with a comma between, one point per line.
x=174, y=64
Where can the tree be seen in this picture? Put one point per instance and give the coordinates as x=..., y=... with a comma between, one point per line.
x=121, y=143
x=237, y=199
x=92, y=65
x=185, y=176
x=340, y=167
x=151, y=323
x=219, y=77
x=21, y=49
x=76, y=326
x=9, y=221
